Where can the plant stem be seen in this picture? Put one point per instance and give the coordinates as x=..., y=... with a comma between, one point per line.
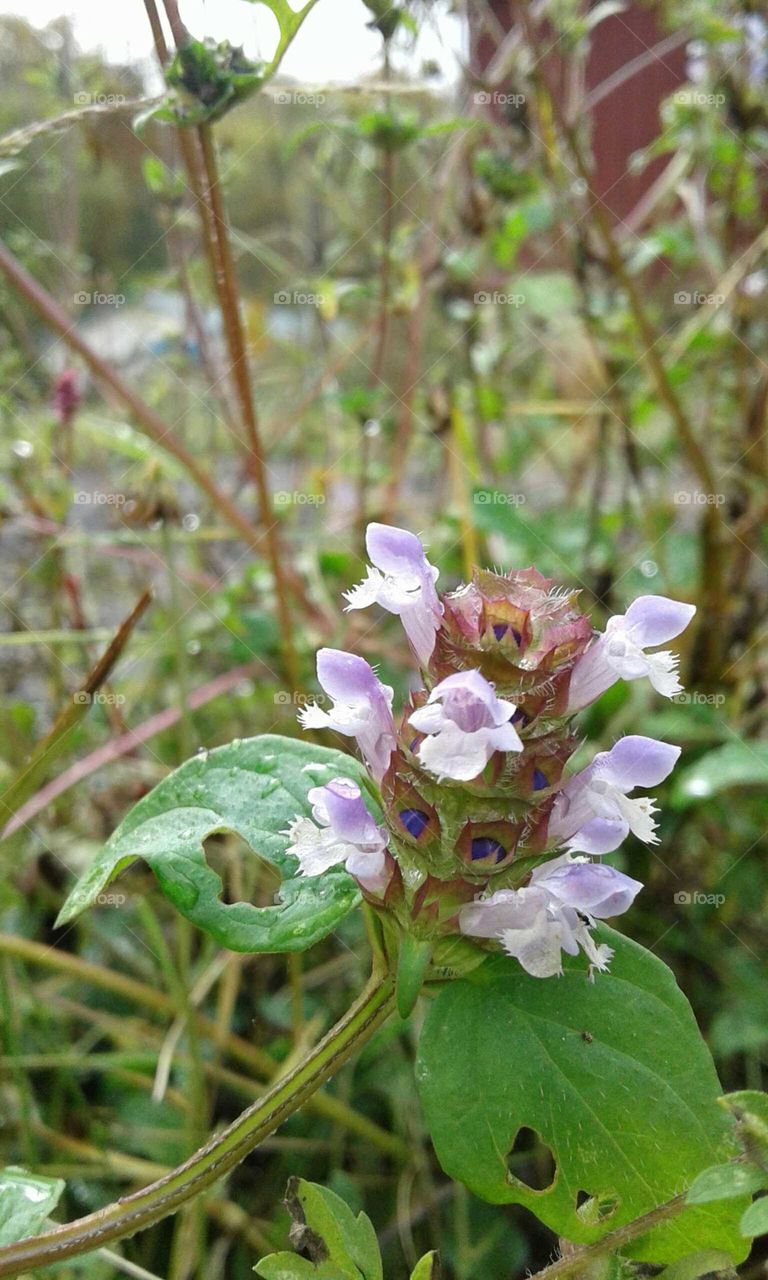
x=226, y=288
x=220, y=1154
x=575, y=1263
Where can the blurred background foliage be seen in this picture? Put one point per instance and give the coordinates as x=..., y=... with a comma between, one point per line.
x=446, y=328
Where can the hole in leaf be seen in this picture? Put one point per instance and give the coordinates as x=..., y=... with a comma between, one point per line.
x=531, y=1161
x=595, y=1209
x=244, y=876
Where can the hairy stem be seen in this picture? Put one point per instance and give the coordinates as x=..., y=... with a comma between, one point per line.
x=220, y=1154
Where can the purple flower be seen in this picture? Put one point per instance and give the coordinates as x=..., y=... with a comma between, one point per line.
x=620, y=652
x=362, y=707
x=594, y=811
x=343, y=831
x=554, y=913
x=465, y=723
x=402, y=581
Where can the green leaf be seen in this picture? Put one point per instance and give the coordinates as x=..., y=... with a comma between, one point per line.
x=725, y=1181
x=340, y=1245
x=254, y=788
x=288, y=20
x=754, y=1221
x=25, y=1203
x=427, y=1268
x=613, y=1076
x=737, y=764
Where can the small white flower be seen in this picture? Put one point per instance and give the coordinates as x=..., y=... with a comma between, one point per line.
x=402, y=581
x=343, y=831
x=594, y=812
x=464, y=723
x=552, y=914
x=620, y=652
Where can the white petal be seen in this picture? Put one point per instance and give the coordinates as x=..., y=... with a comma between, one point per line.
x=451, y=753
x=662, y=673
x=367, y=592
x=316, y=849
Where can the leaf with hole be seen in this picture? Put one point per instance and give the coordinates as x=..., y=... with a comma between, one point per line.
x=612, y=1076
x=252, y=788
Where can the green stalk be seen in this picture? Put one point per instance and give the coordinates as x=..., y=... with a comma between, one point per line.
x=220, y=1154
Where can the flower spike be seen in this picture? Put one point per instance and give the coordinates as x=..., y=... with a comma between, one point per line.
x=484, y=830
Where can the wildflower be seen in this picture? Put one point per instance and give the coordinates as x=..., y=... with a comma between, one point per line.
x=471, y=778
x=464, y=723
x=594, y=811
x=402, y=581
x=362, y=707
x=620, y=651
x=554, y=913
x=343, y=831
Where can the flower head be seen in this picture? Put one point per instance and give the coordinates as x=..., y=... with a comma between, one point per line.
x=464, y=723
x=402, y=581
x=473, y=784
x=362, y=707
x=554, y=913
x=343, y=831
x=594, y=811
x=620, y=651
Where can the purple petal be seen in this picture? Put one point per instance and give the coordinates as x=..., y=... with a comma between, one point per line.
x=599, y=835
x=655, y=619
x=344, y=676
x=507, y=909
x=591, y=676
x=593, y=888
x=470, y=700
x=636, y=761
x=393, y=550
x=348, y=817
